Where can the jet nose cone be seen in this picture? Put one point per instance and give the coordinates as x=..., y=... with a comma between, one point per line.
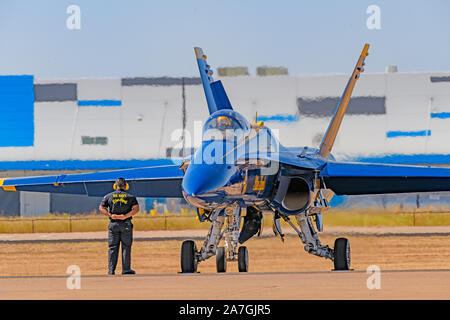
x=203, y=178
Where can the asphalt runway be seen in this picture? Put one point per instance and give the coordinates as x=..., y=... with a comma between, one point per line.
x=394, y=284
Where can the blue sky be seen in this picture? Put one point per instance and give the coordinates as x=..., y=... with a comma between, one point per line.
x=155, y=38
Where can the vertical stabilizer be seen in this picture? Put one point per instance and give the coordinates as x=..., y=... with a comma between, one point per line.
x=333, y=128
x=216, y=96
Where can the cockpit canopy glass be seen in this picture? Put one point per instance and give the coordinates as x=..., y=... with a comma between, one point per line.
x=225, y=125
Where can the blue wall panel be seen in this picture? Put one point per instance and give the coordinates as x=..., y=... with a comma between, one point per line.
x=16, y=111
x=99, y=103
x=85, y=164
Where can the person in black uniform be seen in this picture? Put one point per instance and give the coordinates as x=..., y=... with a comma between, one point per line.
x=119, y=206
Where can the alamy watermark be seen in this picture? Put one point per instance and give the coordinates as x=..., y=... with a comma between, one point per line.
x=74, y=280
x=73, y=22
x=373, y=22
x=373, y=282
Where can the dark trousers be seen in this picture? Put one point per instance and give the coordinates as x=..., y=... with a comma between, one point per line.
x=120, y=232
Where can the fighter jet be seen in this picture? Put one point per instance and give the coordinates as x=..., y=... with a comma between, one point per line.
x=241, y=170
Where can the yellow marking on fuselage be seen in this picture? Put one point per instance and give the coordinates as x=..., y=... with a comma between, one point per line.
x=245, y=183
x=260, y=183
x=1, y=181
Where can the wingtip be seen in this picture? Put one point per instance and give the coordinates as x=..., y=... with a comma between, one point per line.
x=365, y=51
x=6, y=188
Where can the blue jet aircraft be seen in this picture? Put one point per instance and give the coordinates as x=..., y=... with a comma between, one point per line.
x=241, y=170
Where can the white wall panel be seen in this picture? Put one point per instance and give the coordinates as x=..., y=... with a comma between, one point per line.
x=99, y=89
x=34, y=203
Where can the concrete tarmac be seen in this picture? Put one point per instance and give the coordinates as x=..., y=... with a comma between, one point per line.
x=432, y=283
x=393, y=284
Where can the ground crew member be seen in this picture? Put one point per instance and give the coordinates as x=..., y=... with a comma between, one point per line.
x=119, y=206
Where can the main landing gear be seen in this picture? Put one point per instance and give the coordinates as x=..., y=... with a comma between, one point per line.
x=189, y=261
x=340, y=255
x=231, y=217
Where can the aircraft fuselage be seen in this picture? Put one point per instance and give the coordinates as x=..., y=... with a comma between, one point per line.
x=221, y=173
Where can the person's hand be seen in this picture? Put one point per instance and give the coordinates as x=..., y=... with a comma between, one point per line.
x=118, y=216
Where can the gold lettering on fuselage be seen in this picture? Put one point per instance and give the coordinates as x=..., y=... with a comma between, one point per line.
x=260, y=183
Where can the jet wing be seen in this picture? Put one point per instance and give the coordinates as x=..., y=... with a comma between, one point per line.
x=160, y=181
x=363, y=178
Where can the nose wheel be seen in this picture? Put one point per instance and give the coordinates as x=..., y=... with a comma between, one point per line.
x=221, y=260
x=243, y=259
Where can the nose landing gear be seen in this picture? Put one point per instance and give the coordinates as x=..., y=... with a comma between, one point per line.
x=221, y=260
x=243, y=259
x=190, y=257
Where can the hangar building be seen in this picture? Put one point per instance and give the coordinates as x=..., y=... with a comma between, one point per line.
x=54, y=126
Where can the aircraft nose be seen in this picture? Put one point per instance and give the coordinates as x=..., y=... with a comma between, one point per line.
x=203, y=178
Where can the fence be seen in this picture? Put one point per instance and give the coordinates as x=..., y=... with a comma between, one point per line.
x=189, y=221
x=82, y=224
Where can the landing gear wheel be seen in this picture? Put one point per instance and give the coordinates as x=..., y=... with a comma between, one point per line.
x=243, y=259
x=221, y=261
x=189, y=260
x=341, y=254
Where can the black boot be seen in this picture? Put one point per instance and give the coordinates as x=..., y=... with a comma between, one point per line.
x=129, y=272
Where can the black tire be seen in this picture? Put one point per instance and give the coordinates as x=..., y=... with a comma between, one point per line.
x=221, y=260
x=341, y=254
x=188, y=257
x=243, y=259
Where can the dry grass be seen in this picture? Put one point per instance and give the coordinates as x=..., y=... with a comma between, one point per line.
x=376, y=217
x=96, y=222
x=146, y=222
x=267, y=254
